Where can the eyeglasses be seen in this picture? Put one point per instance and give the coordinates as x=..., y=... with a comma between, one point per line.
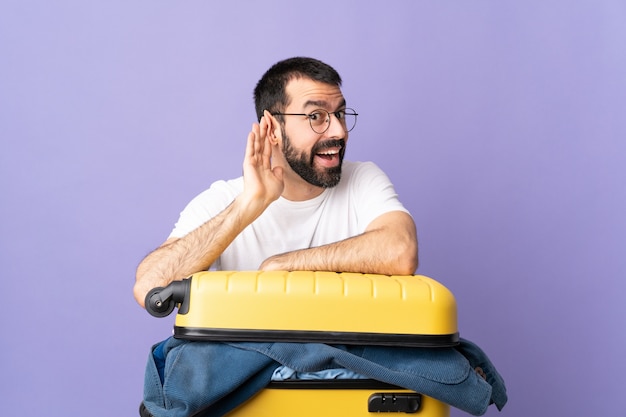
x=320, y=119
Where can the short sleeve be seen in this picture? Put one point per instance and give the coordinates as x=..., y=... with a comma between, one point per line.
x=374, y=193
x=206, y=205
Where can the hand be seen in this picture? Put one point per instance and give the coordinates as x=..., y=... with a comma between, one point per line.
x=262, y=183
x=275, y=263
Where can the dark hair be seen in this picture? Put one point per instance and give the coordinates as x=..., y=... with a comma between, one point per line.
x=270, y=94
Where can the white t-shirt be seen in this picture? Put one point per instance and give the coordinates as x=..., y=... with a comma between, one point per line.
x=363, y=193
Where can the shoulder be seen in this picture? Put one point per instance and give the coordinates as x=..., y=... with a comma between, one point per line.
x=219, y=194
x=206, y=205
x=351, y=168
x=361, y=171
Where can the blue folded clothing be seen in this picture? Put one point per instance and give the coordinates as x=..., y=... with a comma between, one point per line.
x=184, y=377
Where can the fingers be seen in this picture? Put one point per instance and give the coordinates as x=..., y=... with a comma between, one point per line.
x=265, y=135
x=261, y=181
x=254, y=145
x=259, y=147
x=250, y=144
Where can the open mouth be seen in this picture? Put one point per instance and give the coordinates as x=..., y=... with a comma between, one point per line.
x=329, y=158
x=329, y=153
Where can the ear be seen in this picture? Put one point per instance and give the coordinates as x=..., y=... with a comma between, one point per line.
x=275, y=132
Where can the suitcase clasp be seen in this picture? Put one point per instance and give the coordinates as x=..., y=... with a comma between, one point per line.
x=390, y=402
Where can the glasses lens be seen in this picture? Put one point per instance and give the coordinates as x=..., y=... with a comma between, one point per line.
x=349, y=121
x=319, y=120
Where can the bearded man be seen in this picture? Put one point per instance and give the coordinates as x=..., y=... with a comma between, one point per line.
x=298, y=205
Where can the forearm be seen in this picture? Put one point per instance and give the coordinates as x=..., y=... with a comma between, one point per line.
x=177, y=259
x=385, y=248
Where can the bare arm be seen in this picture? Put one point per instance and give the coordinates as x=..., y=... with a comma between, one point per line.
x=388, y=246
x=179, y=258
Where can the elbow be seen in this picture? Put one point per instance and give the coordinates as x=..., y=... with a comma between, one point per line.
x=140, y=294
x=407, y=264
x=414, y=265
x=401, y=259
x=407, y=260
x=403, y=243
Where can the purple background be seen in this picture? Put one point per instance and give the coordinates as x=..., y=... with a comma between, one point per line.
x=501, y=123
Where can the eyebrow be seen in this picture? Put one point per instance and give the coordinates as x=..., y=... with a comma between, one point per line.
x=322, y=104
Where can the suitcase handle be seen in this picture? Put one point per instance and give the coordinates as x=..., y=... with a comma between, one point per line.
x=160, y=301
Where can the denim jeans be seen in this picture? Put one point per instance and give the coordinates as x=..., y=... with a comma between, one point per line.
x=183, y=377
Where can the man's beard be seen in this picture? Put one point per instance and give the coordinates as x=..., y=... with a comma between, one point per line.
x=302, y=163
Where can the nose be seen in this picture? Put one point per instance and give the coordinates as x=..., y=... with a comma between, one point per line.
x=336, y=128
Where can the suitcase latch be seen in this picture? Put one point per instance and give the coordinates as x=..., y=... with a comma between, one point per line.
x=389, y=402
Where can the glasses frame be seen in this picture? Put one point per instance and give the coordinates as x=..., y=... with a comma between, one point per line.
x=347, y=110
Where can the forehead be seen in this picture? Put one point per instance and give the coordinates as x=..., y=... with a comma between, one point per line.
x=306, y=93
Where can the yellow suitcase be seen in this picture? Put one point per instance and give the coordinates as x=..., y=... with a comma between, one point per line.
x=324, y=307
x=337, y=398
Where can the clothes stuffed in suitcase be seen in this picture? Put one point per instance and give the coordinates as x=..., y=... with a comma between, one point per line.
x=322, y=307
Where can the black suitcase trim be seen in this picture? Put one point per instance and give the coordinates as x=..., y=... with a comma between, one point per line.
x=351, y=338
x=341, y=384
x=392, y=399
